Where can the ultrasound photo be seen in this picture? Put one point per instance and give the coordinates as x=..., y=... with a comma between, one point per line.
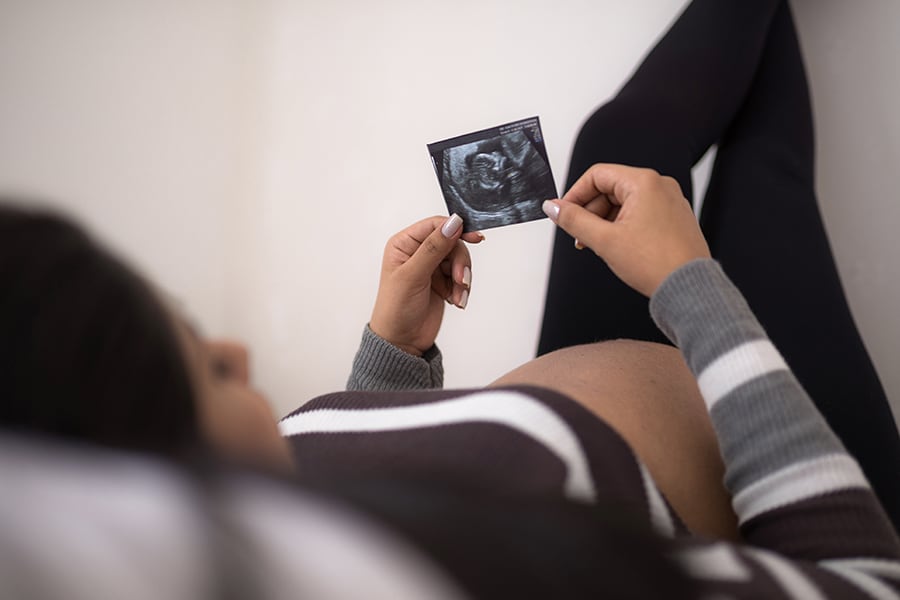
x=495, y=177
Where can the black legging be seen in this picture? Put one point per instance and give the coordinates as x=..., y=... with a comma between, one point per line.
x=730, y=72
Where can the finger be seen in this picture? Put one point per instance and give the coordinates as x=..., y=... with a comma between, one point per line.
x=461, y=271
x=458, y=295
x=473, y=237
x=461, y=296
x=587, y=228
x=434, y=238
x=410, y=239
x=612, y=180
x=601, y=206
x=461, y=265
x=455, y=278
x=442, y=285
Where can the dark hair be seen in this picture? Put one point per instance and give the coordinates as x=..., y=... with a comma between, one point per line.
x=87, y=350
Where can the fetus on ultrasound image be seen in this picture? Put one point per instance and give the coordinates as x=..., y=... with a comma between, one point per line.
x=495, y=177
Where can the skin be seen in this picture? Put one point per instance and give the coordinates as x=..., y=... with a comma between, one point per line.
x=646, y=392
x=635, y=220
x=424, y=266
x=236, y=419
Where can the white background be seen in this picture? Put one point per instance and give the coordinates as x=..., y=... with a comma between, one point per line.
x=252, y=157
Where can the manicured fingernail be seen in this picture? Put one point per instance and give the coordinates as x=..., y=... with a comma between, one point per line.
x=551, y=209
x=579, y=245
x=452, y=225
x=467, y=276
x=464, y=299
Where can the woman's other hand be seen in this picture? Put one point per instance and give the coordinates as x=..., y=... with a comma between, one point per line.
x=636, y=220
x=424, y=266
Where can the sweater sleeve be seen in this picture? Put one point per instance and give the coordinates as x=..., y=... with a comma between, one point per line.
x=379, y=366
x=795, y=490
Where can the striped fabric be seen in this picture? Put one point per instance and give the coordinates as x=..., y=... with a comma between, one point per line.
x=519, y=440
x=741, y=365
x=813, y=528
x=800, y=498
x=506, y=408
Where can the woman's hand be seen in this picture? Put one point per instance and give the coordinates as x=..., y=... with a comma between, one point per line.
x=424, y=265
x=636, y=220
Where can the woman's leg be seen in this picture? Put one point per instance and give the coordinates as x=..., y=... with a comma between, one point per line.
x=762, y=221
x=760, y=213
x=678, y=102
x=646, y=393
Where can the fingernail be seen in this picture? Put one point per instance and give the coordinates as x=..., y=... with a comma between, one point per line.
x=464, y=299
x=452, y=225
x=579, y=245
x=551, y=209
x=467, y=276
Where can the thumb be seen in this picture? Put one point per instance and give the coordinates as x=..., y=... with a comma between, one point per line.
x=588, y=228
x=436, y=247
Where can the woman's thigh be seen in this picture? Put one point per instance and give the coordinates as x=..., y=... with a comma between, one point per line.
x=646, y=392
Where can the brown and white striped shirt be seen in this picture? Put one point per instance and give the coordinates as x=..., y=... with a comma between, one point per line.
x=812, y=527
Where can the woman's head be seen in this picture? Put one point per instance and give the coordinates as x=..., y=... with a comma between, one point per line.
x=86, y=350
x=89, y=352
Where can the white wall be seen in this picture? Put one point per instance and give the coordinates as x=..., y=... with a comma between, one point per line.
x=352, y=95
x=129, y=114
x=851, y=52
x=253, y=157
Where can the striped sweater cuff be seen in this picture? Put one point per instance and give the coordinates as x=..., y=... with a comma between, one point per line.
x=381, y=366
x=769, y=430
